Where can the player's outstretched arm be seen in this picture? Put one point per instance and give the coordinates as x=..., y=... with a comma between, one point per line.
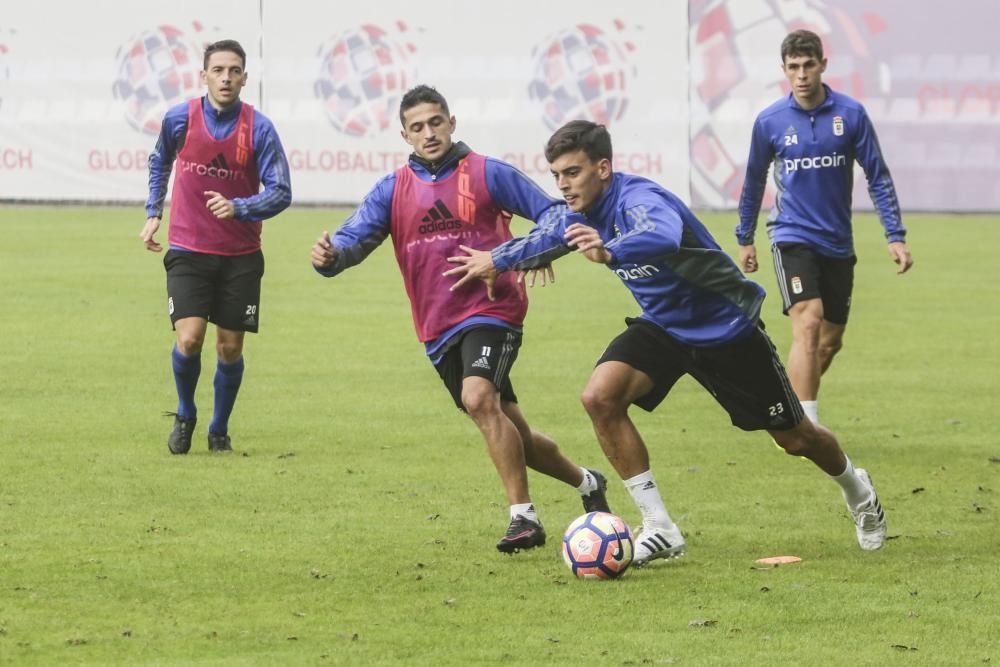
x=900, y=254
x=148, y=230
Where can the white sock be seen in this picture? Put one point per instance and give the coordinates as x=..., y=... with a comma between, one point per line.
x=811, y=408
x=527, y=510
x=589, y=482
x=647, y=498
x=856, y=492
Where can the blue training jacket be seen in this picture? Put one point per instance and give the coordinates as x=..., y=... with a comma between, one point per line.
x=272, y=165
x=813, y=152
x=681, y=278
x=369, y=225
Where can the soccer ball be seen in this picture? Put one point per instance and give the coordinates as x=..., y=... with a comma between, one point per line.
x=598, y=546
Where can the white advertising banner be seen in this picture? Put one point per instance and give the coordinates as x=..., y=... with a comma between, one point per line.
x=512, y=72
x=84, y=86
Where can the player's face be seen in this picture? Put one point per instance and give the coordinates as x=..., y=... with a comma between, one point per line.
x=581, y=180
x=805, y=73
x=428, y=129
x=225, y=79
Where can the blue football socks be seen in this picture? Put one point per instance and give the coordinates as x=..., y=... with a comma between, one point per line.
x=227, y=384
x=186, y=372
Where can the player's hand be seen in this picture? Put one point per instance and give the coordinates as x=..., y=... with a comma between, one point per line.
x=220, y=207
x=148, y=230
x=587, y=242
x=900, y=254
x=475, y=265
x=748, y=258
x=543, y=272
x=323, y=252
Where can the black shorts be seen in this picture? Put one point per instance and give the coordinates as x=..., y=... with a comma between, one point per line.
x=805, y=274
x=224, y=290
x=484, y=351
x=746, y=377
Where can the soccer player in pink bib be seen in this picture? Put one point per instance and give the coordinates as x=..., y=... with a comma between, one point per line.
x=232, y=174
x=447, y=195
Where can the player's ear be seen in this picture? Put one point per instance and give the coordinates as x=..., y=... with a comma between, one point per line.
x=822, y=65
x=604, y=169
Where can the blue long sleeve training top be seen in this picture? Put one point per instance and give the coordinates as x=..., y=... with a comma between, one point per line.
x=369, y=225
x=813, y=152
x=272, y=165
x=680, y=277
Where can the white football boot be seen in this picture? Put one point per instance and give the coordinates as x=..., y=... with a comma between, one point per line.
x=656, y=542
x=869, y=518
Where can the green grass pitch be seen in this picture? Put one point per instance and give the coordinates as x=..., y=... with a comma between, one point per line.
x=355, y=524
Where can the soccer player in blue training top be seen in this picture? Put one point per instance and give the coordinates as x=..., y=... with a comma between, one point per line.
x=700, y=316
x=813, y=137
x=446, y=195
x=225, y=150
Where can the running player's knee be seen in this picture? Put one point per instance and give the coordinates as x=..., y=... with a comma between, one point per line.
x=229, y=350
x=828, y=349
x=598, y=402
x=479, y=403
x=189, y=343
x=794, y=442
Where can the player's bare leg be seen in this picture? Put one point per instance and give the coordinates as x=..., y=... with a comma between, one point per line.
x=542, y=454
x=820, y=446
x=610, y=391
x=804, y=365
x=831, y=341
x=506, y=449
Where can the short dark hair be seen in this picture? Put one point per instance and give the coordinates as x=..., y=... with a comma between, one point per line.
x=802, y=43
x=421, y=95
x=580, y=135
x=225, y=45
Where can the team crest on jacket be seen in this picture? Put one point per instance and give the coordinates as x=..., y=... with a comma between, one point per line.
x=791, y=136
x=838, y=126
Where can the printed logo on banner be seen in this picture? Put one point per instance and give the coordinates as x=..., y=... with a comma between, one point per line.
x=733, y=65
x=157, y=69
x=363, y=75
x=582, y=72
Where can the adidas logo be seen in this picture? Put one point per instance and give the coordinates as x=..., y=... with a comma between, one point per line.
x=219, y=162
x=438, y=219
x=649, y=485
x=481, y=362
